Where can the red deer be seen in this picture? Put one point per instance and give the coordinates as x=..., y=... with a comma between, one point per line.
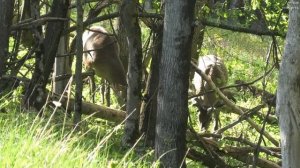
x=214, y=67
x=101, y=53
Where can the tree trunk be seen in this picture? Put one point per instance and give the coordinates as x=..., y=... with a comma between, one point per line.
x=45, y=56
x=288, y=94
x=6, y=14
x=122, y=41
x=62, y=64
x=133, y=32
x=26, y=35
x=172, y=109
x=78, y=70
x=149, y=107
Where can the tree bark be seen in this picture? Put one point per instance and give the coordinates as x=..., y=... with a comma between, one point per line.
x=78, y=70
x=35, y=94
x=62, y=64
x=133, y=32
x=27, y=36
x=172, y=112
x=288, y=94
x=149, y=106
x=91, y=109
x=6, y=14
x=122, y=41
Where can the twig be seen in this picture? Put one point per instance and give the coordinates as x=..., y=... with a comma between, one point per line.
x=232, y=105
x=235, y=85
x=270, y=151
x=231, y=27
x=29, y=23
x=207, y=148
x=257, y=149
x=241, y=118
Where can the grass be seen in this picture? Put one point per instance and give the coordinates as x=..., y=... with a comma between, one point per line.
x=44, y=143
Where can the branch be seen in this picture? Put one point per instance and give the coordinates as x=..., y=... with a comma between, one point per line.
x=238, y=153
x=231, y=27
x=93, y=109
x=270, y=151
x=204, y=159
x=267, y=97
x=208, y=138
x=29, y=23
x=246, y=158
x=111, y=16
x=232, y=105
x=240, y=119
x=236, y=85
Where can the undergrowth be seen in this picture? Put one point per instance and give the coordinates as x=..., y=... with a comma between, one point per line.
x=27, y=140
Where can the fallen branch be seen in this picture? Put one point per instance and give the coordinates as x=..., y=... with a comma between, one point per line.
x=247, y=158
x=232, y=105
x=94, y=110
x=270, y=151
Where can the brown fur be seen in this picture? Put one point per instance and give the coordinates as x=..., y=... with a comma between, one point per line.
x=104, y=58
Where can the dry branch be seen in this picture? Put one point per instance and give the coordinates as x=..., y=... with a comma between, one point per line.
x=242, y=154
x=29, y=23
x=232, y=105
x=94, y=110
x=226, y=26
x=246, y=158
x=240, y=119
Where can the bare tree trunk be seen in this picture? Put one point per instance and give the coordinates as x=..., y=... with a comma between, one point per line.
x=122, y=40
x=149, y=107
x=172, y=109
x=133, y=32
x=45, y=56
x=78, y=70
x=288, y=94
x=62, y=64
x=6, y=14
x=26, y=35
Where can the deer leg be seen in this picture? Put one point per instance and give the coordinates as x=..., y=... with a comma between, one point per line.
x=92, y=87
x=107, y=94
x=217, y=122
x=103, y=90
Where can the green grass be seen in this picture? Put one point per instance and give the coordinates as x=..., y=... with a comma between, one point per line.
x=30, y=141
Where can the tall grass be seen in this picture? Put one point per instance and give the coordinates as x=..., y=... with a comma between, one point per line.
x=30, y=141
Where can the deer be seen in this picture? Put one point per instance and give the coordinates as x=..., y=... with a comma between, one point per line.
x=101, y=55
x=215, y=68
